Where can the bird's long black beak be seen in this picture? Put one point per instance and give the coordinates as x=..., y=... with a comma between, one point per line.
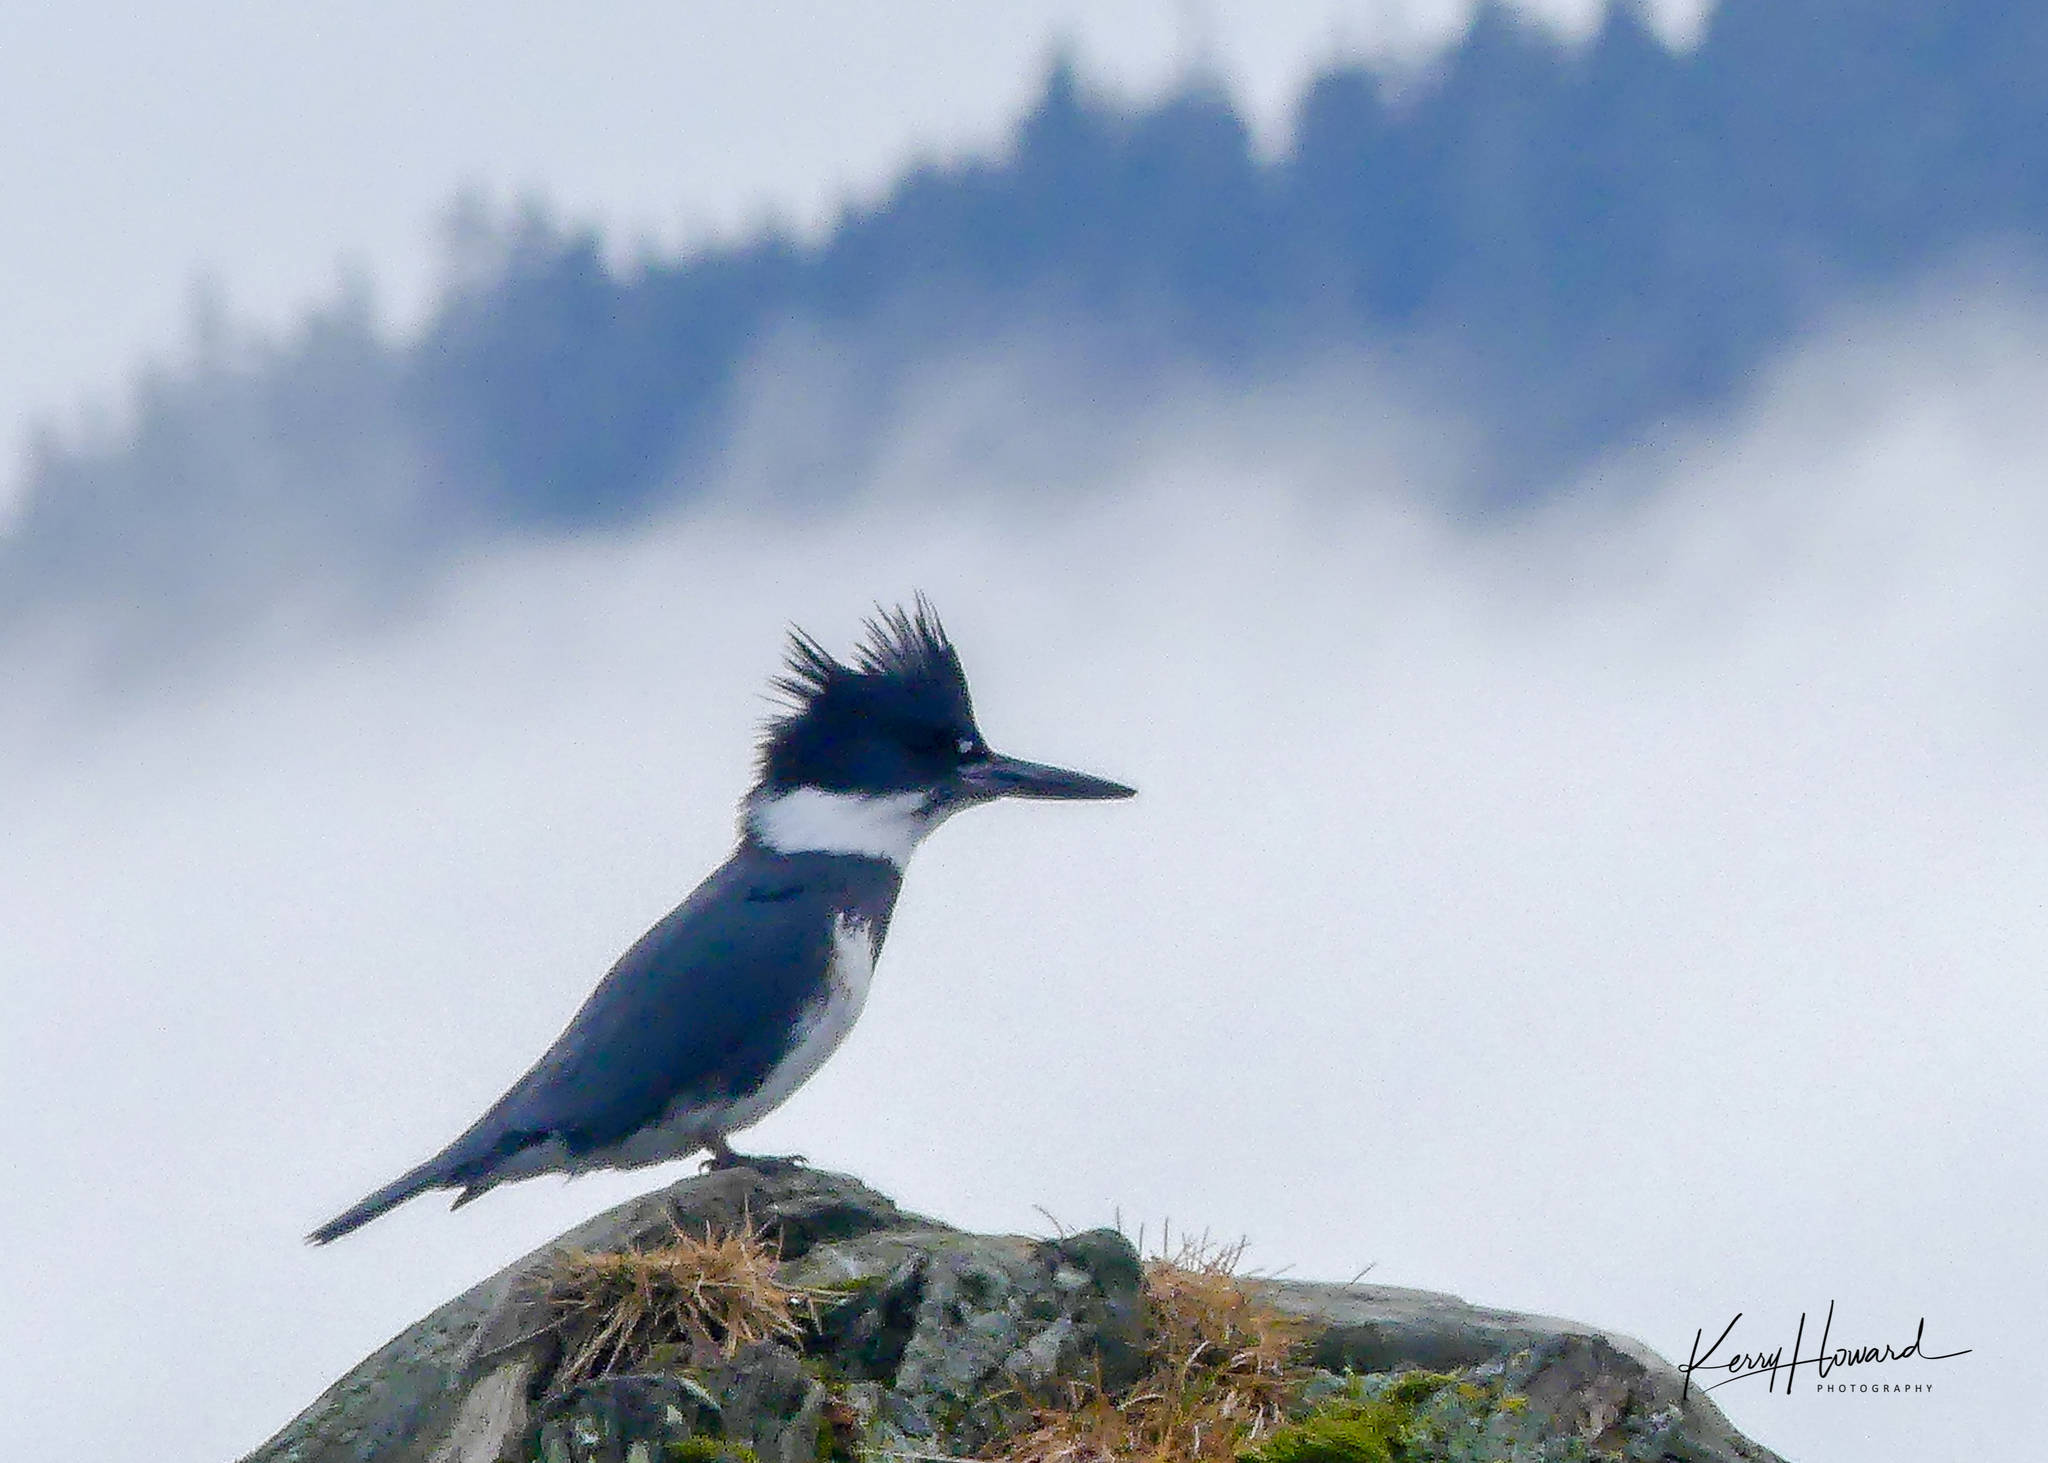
x=1012, y=777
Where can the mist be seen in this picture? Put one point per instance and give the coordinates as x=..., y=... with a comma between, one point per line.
x=1570, y=238
x=1624, y=907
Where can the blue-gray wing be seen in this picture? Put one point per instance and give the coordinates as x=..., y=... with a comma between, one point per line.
x=699, y=1010
x=696, y=1011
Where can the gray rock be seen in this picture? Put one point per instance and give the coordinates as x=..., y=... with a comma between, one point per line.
x=626, y=1419
x=769, y=1402
x=406, y=1402
x=1577, y=1378
x=933, y=1342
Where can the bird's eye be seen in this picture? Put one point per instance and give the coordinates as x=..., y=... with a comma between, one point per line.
x=968, y=747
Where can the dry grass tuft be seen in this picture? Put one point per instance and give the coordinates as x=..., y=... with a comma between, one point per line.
x=703, y=1299
x=1222, y=1367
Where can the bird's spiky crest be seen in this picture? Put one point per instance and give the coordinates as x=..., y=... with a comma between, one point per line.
x=905, y=661
x=908, y=644
x=905, y=645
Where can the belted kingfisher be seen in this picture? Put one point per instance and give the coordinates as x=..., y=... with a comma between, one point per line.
x=733, y=1001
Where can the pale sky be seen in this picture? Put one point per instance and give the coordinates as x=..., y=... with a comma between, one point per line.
x=1628, y=911
x=266, y=151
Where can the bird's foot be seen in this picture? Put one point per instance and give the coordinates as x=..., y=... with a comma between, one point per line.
x=723, y=1158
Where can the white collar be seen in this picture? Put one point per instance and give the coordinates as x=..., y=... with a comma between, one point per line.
x=811, y=820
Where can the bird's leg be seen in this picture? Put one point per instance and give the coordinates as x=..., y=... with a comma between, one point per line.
x=722, y=1157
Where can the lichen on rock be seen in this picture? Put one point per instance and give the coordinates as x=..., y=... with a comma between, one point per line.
x=800, y=1317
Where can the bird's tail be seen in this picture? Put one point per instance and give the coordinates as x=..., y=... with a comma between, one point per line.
x=471, y=1164
x=432, y=1174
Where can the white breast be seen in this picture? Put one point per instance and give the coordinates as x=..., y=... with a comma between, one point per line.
x=822, y=1027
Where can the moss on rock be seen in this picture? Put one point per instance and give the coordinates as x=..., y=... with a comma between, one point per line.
x=850, y=1332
